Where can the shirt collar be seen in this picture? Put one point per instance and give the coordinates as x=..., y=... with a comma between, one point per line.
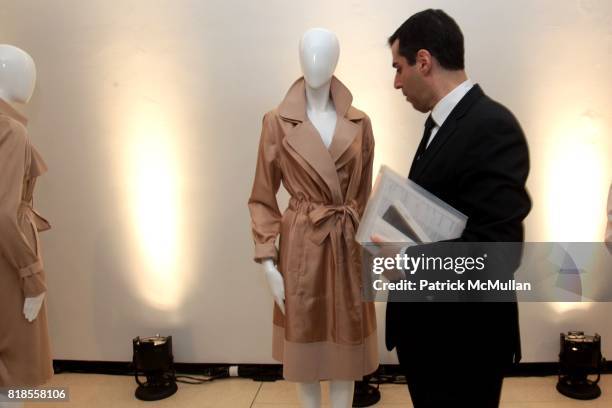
x=446, y=105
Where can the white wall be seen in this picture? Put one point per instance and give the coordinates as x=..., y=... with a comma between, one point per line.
x=149, y=113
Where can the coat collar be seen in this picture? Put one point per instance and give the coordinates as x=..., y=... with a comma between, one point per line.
x=8, y=110
x=37, y=164
x=293, y=107
x=304, y=138
x=445, y=131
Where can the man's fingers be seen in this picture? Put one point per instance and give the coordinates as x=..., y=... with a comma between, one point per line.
x=377, y=238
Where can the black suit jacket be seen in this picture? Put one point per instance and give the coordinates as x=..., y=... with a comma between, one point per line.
x=478, y=162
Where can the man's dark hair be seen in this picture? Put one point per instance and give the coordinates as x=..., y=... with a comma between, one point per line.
x=434, y=31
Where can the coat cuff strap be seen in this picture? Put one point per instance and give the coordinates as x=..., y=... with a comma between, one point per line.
x=32, y=269
x=265, y=250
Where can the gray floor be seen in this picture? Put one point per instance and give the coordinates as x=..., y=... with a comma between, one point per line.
x=91, y=391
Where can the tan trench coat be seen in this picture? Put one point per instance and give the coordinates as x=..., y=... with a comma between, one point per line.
x=25, y=357
x=327, y=332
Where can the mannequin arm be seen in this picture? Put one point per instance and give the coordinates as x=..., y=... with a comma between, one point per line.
x=275, y=282
x=32, y=305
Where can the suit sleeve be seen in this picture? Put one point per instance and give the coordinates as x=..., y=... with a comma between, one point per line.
x=492, y=185
x=365, y=187
x=263, y=206
x=14, y=245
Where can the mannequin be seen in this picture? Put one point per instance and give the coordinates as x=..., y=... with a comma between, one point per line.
x=319, y=52
x=20, y=263
x=17, y=80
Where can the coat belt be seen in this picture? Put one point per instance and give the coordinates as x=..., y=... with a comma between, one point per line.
x=41, y=223
x=327, y=218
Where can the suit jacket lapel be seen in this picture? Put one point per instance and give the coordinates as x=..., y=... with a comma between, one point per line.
x=445, y=132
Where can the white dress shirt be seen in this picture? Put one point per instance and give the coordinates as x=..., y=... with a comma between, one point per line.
x=446, y=105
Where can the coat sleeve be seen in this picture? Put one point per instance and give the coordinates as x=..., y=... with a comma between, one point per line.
x=14, y=245
x=365, y=187
x=265, y=215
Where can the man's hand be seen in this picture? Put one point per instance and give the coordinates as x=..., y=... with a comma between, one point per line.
x=386, y=249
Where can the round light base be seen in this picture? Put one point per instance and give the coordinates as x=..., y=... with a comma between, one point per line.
x=155, y=393
x=578, y=389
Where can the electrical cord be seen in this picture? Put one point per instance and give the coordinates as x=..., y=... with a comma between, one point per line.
x=187, y=379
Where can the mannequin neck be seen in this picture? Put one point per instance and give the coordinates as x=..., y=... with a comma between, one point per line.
x=318, y=99
x=11, y=98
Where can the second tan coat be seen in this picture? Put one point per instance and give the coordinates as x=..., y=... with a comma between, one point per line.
x=25, y=356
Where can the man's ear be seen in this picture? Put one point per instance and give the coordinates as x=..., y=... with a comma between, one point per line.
x=424, y=61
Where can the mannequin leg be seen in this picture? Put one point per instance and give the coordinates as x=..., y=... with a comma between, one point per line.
x=309, y=394
x=341, y=393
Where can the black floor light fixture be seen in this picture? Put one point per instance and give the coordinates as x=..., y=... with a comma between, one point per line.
x=365, y=395
x=579, y=357
x=153, y=359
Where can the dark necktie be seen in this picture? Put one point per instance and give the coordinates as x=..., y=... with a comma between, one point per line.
x=429, y=125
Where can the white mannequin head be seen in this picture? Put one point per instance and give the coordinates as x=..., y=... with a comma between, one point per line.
x=319, y=52
x=17, y=74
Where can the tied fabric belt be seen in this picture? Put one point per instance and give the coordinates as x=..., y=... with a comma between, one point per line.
x=38, y=220
x=328, y=218
x=317, y=222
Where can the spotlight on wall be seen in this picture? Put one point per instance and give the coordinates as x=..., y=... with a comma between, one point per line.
x=153, y=359
x=580, y=356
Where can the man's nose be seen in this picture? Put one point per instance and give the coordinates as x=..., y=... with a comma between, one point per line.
x=397, y=83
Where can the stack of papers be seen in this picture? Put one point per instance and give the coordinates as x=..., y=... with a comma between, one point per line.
x=402, y=211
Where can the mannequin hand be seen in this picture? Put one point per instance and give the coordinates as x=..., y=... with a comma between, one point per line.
x=275, y=283
x=32, y=306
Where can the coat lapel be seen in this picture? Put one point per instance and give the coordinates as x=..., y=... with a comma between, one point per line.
x=445, y=132
x=344, y=136
x=305, y=139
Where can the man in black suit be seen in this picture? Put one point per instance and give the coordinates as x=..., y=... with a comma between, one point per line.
x=474, y=156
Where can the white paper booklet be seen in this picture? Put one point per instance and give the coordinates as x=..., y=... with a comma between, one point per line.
x=402, y=211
